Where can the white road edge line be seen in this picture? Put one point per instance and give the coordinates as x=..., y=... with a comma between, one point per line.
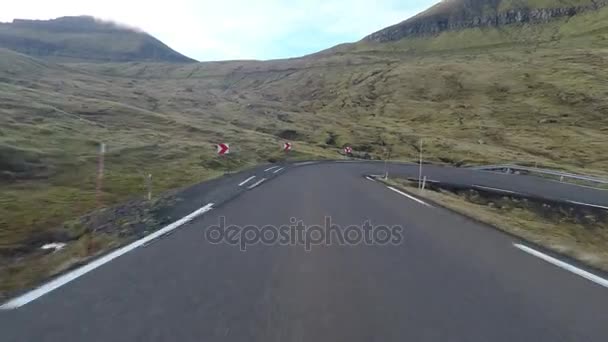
x=305, y=163
x=270, y=168
x=495, y=189
x=589, y=205
x=279, y=170
x=370, y=178
x=246, y=181
x=72, y=275
x=409, y=196
x=256, y=183
x=589, y=276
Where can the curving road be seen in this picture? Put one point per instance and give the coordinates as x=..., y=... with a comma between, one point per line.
x=523, y=184
x=449, y=279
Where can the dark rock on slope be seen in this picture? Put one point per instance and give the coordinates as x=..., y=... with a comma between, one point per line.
x=461, y=14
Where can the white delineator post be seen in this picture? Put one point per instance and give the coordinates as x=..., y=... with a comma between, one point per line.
x=420, y=167
x=100, y=169
x=386, y=158
x=149, y=186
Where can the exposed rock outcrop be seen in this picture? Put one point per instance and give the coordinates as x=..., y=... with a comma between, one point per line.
x=456, y=15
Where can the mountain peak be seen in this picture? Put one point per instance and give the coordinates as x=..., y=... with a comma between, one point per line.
x=70, y=23
x=85, y=38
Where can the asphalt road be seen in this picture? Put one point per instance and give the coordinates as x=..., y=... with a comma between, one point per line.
x=523, y=184
x=449, y=279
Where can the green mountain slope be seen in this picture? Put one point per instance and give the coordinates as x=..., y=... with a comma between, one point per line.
x=84, y=38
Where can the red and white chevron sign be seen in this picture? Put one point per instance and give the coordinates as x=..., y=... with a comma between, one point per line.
x=223, y=149
x=287, y=146
x=348, y=150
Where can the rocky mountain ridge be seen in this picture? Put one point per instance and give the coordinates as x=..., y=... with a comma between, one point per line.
x=457, y=15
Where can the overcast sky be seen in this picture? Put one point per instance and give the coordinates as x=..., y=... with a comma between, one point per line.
x=235, y=29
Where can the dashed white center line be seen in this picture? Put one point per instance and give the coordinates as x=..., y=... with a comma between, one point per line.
x=587, y=275
x=410, y=197
x=279, y=170
x=270, y=168
x=246, y=181
x=256, y=183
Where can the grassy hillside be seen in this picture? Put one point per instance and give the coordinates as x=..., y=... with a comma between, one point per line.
x=53, y=118
x=478, y=8
x=589, y=30
x=519, y=93
x=84, y=38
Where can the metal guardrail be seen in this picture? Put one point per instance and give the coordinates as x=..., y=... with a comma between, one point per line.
x=513, y=167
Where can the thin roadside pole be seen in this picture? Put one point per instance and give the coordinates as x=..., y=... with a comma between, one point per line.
x=100, y=170
x=149, y=186
x=386, y=158
x=420, y=167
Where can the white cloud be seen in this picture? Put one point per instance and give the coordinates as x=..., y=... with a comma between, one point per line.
x=235, y=29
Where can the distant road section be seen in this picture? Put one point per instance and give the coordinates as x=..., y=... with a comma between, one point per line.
x=534, y=170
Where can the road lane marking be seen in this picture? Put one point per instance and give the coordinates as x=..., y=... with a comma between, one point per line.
x=410, y=197
x=494, y=189
x=270, y=168
x=246, y=181
x=72, y=275
x=412, y=179
x=589, y=276
x=279, y=170
x=257, y=183
x=305, y=163
x=589, y=205
x=370, y=178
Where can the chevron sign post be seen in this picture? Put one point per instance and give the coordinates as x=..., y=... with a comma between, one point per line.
x=287, y=147
x=348, y=150
x=223, y=149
